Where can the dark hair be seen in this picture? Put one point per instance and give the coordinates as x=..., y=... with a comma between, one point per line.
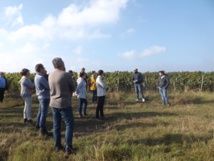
x=162, y=72
x=70, y=71
x=38, y=67
x=24, y=71
x=83, y=69
x=100, y=72
x=82, y=74
x=93, y=72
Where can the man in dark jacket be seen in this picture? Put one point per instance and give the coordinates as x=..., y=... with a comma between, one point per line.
x=163, y=83
x=138, y=80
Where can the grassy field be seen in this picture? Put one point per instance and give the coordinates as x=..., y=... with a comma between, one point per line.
x=131, y=132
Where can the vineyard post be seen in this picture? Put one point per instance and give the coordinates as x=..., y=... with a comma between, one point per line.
x=202, y=82
x=146, y=83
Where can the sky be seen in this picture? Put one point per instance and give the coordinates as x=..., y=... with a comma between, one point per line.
x=112, y=35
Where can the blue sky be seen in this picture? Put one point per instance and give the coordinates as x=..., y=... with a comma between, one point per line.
x=112, y=35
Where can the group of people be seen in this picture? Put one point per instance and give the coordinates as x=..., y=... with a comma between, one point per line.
x=56, y=90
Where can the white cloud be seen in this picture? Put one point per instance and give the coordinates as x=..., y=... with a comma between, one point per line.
x=78, y=50
x=128, y=55
x=49, y=22
x=96, y=13
x=30, y=32
x=28, y=48
x=26, y=56
x=14, y=15
x=46, y=45
x=132, y=54
x=74, y=22
x=153, y=51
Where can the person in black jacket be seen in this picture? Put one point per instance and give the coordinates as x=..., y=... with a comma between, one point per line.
x=3, y=86
x=138, y=80
x=163, y=83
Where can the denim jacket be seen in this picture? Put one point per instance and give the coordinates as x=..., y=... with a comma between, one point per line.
x=81, y=88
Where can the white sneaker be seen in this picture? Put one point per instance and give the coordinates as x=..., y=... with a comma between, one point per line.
x=143, y=99
x=137, y=100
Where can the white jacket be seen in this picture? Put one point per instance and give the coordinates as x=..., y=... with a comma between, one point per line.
x=101, y=87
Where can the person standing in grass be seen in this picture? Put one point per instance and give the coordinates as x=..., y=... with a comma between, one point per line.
x=101, y=93
x=26, y=93
x=61, y=87
x=43, y=93
x=138, y=80
x=3, y=86
x=86, y=77
x=81, y=94
x=163, y=84
x=92, y=86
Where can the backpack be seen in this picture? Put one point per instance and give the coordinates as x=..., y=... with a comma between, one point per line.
x=2, y=82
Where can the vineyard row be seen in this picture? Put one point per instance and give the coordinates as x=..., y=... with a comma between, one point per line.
x=122, y=81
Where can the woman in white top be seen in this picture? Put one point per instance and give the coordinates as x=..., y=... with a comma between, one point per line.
x=81, y=94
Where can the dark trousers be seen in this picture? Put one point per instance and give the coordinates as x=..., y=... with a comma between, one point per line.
x=82, y=102
x=94, y=96
x=100, y=104
x=2, y=94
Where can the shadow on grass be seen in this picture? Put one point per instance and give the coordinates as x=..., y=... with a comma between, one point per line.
x=189, y=100
x=169, y=139
x=89, y=125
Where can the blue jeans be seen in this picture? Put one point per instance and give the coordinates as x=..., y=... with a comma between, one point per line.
x=42, y=113
x=163, y=92
x=94, y=96
x=67, y=115
x=80, y=104
x=138, y=89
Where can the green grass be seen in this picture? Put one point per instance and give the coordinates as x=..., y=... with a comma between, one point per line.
x=132, y=131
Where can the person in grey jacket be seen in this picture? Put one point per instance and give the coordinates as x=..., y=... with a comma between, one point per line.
x=81, y=94
x=43, y=93
x=163, y=83
x=61, y=87
x=26, y=93
x=138, y=80
x=101, y=93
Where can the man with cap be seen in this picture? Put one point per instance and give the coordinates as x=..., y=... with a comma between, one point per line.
x=138, y=80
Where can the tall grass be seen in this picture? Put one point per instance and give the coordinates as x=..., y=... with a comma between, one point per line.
x=131, y=131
